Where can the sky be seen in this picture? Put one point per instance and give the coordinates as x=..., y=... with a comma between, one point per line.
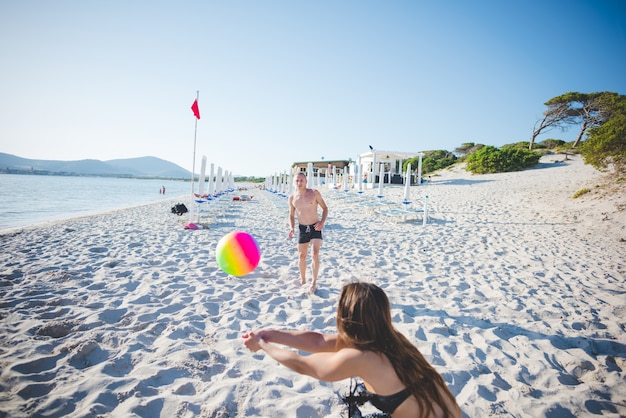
x=291, y=81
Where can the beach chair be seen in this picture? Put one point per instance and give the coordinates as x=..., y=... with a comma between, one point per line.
x=406, y=213
x=399, y=214
x=375, y=204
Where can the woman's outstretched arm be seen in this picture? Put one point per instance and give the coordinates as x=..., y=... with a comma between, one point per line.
x=329, y=366
x=309, y=341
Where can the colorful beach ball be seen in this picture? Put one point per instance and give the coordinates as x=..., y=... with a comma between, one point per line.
x=237, y=253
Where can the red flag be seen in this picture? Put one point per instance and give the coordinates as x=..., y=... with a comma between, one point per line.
x=195, y=109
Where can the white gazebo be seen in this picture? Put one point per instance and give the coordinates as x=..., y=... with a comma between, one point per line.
x=391, y=163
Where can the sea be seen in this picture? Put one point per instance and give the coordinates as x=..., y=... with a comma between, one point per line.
x=27, y=200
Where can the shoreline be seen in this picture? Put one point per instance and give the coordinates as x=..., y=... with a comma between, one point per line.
x=70, y=219
x=513, y=290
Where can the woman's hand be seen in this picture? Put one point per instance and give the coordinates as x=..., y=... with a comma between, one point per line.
x=252, y=339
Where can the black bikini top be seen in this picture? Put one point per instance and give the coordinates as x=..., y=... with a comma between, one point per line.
x=387, y=404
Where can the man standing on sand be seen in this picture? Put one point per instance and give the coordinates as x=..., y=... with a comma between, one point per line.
x=304, y=202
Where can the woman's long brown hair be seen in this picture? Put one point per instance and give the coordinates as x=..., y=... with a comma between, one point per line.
x=364, y=322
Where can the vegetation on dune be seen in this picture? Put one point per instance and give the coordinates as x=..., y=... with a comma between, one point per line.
x=581, y=192
x=432, y=161
x=601, y=117
x=508, y=158
x=605, y=146
x=601, y=139
x=251, y=179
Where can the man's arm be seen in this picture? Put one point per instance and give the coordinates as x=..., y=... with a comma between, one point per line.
x=292, y=216
x=322, y=204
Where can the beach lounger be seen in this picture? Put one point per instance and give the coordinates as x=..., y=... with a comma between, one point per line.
x=400, y=215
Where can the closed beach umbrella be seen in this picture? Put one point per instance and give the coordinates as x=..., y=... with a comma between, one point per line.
x=359, y=174
x=202, y=176
x=284, y=178
x=212, y=180
x=407, y=184
x=381, y=180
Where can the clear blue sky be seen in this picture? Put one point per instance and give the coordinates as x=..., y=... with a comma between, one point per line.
x=285, y=81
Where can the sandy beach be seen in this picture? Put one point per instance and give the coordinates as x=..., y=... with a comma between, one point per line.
x=513, y=290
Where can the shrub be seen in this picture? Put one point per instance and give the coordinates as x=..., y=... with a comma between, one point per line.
x=581, y=192
x=467, y=148
x=552, y=143
x=522, y=145
x=493, y=160
x=433, y=161
x=566, y=147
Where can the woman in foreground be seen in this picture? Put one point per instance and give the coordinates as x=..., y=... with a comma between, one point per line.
x=397, y=378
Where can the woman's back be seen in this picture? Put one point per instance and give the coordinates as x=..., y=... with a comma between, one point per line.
x=381, y=379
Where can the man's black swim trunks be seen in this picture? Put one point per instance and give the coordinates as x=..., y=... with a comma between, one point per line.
x=307, y=233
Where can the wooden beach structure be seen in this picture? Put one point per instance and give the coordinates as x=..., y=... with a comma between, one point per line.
x=386, y=166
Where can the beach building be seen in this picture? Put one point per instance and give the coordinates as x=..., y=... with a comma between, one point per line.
x=386, y=165
x=324, y=172
x=368, y=169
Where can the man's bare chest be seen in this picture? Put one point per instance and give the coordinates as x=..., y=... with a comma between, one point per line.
x=305, y=200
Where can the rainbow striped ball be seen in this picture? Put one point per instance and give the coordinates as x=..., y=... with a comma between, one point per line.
x=237, y=253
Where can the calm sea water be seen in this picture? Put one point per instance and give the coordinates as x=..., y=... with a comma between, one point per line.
x=29, y=199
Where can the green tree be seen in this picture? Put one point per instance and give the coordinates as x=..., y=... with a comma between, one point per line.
x=606, y=143
x=432, y=161
x=589, y=110
x=552, y=143
x=557, y=114
x=573, y=108
x=467, y=148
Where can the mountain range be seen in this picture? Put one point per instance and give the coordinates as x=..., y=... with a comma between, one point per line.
x=127, y=167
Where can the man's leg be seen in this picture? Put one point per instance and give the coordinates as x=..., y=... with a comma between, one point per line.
x=315, y=261
x=302, y=252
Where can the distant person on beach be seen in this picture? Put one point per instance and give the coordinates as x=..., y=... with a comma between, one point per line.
x=304, y=203
x=396, y=377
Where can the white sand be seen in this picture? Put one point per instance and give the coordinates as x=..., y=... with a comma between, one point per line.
x=514, y=291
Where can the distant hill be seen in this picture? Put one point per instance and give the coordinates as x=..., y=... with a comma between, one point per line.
x=129, y=167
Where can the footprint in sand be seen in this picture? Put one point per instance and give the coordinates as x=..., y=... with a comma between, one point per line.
x=87, y=354
x=112, y=316
x=56, y=329
x=119, y=367
x=35, y=390
x=38, y=365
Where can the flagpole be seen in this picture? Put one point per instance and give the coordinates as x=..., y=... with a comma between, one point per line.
x=193, y=169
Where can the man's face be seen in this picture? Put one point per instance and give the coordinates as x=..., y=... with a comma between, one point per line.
x=300, y=180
